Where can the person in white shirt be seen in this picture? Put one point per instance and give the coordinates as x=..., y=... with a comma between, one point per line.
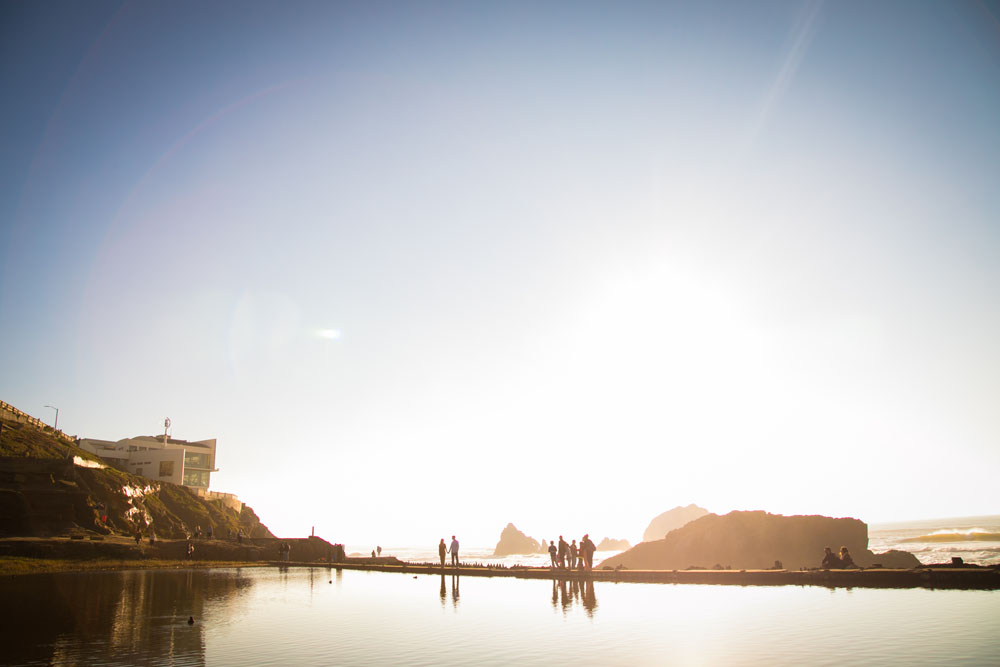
x=453, y=550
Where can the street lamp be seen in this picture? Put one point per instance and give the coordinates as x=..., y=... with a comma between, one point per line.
x=56, y=426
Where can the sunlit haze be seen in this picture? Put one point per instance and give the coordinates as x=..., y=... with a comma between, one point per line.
x=425, y=269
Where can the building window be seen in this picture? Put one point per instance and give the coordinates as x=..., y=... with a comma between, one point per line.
x=195, y=460
x=166, y=468
x=196, y=478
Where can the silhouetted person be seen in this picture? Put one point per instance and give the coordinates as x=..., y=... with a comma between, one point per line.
x=442, y=550
x=830, y=560
x=379, y=550
x=138, y=537
x=552, y=554
x=453, y=550
x=563, y=552
x=588, y=548
x=190, y=550
x=845, y=559
x=373, y=553
x=573, y=553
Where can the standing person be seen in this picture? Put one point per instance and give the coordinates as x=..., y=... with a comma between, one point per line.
x=453, y=550
x=563, y=552
x=588, y=551
x=552, y=554
x=572, y=555
x=379, y=550
x=442, y=550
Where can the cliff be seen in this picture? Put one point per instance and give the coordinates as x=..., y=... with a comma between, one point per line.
x=42, y=494
x=671, y=520
x=512, y=541
x=754, y=541
x=608, y=544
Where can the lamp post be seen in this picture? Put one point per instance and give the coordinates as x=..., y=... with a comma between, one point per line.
x=56, y=426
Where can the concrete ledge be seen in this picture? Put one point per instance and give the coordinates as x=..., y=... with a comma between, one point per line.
x=977, y=578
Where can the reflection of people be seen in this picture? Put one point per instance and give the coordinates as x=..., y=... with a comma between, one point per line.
x=845, y=558
x=589, y=597
x=552, y=554
x=453, y=550
x=442, y=550
x=454, y=591
x=444, y=592
x=830, y=560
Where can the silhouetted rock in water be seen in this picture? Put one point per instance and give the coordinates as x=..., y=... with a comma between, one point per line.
x=672, y=520
x=512, y=541
x=608, y=544
x=754, y=541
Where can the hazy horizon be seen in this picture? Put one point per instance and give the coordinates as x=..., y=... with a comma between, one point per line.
x=427, y=269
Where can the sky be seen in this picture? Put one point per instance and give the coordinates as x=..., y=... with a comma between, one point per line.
x=428, y=268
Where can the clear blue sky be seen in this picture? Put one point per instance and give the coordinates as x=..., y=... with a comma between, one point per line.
x=427, y=268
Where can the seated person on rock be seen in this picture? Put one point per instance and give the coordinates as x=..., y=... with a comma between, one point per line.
x=845, y=559
x=830, y=560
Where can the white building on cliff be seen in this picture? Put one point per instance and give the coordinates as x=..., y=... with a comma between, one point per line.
x=160, y=457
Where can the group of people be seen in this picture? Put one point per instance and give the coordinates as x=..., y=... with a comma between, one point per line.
x=573, y=557
x=452, y=549
x=832, y=561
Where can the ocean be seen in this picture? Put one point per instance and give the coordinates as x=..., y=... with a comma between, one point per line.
x=974, y=539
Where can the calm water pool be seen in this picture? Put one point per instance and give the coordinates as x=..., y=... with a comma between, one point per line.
x=264, y=616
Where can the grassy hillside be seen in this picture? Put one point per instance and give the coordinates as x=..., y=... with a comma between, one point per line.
x=42, y=493
x=30, y=441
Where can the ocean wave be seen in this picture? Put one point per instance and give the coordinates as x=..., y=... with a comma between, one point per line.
x=966, y=536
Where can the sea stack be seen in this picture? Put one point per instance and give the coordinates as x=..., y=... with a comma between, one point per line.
x=672, y=520
x=512, y=541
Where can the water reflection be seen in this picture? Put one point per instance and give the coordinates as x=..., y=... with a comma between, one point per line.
x=567, y=592
x=455, y=593
x=132, y=617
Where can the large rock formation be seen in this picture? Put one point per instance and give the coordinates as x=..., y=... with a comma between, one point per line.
x=671, y=520
x=755, y=540
x=608, y=544
x=512, y=541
